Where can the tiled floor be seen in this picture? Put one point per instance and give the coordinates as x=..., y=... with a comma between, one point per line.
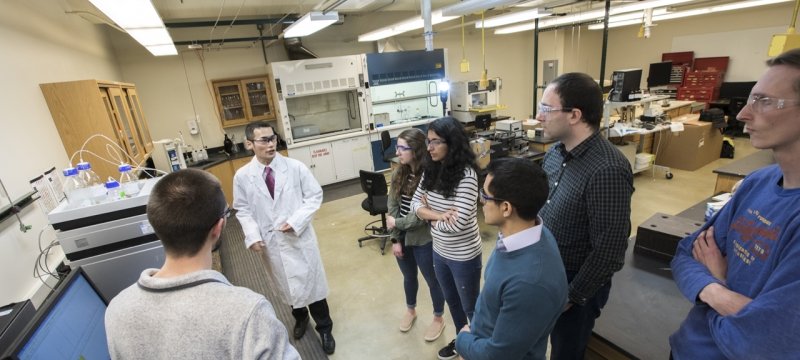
x=366, y=295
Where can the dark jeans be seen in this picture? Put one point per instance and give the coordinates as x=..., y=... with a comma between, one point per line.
x=420, y=257
x=574, y=327
x=319, y=312
x=460, y=282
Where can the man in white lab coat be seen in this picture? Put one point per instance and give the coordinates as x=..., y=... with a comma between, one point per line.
x=276, y=198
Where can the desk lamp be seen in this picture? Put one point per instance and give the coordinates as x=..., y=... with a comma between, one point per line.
x=444, y=90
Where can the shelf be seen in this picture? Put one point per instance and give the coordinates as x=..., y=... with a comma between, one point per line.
x=229, y=94
x=232, y=107
x=19, y=204
x=257, y=90
x=258, y=104
x=407, y=98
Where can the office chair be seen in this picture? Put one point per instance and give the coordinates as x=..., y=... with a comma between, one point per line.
x=386, y=144
x=376, y=203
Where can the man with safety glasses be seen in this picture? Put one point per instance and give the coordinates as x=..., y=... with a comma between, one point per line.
x=589, y=206
x=741, y=268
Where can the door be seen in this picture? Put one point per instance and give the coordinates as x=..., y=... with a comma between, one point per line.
x=114, y=119
x=350, y=156
x=322, y=163
x=120, y=107
x=230, y=103
x=258, y=100
x=142, y=130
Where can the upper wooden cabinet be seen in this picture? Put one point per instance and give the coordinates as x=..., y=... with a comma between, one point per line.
x=81, y=109
x=243, y=100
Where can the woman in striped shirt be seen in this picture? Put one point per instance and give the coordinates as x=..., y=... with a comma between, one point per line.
x=447, y=198
x=411, y=237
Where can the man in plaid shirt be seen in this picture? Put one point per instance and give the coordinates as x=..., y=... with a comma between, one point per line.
x=589, y=206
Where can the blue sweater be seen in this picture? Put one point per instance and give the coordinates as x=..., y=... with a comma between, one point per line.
x=524, y=292
x=758, y=233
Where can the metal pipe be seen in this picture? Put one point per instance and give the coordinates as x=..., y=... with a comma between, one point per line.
x=426, y=17
x=535, y=67
x=603, y=54
x=193, y=24
x=333, y=6
x=260, y=28
x=205, y=41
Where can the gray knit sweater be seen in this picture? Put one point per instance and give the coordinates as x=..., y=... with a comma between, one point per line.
x=194, y=316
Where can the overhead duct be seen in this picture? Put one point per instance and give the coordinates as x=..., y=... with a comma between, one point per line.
x=296, y=51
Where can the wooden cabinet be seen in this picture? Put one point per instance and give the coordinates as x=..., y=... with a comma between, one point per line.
x=243, y=100
x=111, y=111
x=238, y=163
x=224, y=172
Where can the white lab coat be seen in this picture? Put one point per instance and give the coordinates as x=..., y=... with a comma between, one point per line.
x=292, y=259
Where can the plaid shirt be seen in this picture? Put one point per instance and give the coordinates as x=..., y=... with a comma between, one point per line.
x=589, y=211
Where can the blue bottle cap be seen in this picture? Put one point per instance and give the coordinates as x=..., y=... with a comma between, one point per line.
x=84, y=165
x=111, y=184
x=124, y=168
x=70, y=171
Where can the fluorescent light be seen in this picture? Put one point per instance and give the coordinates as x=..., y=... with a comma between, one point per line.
x=510, y=18
x=140, y=19
x=474, y=6
x=688, y=13
x=154, y=36
x=627, y=19
x=354, y=4
x=162, y=50
x=404, y=26
x=310, y=23
x=588, y=16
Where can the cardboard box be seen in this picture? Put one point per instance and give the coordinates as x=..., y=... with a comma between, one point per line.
x=530, y=124
x=482, y=149
x=694, y=147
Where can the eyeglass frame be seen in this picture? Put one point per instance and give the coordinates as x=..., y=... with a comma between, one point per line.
x=485, y=198
x=265, y=140
x=402, y=148
x=434, y=142
x=765, y=101
x=225, y=214
x=546, y=109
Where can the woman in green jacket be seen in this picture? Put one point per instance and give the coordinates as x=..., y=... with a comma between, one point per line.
x=411, y=237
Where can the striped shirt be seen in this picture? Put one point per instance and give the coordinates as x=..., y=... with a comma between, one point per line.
x=405, y=200
x=460, y=241
x=589, y=211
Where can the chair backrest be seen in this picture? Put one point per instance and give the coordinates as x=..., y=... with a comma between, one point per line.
x=373, y=183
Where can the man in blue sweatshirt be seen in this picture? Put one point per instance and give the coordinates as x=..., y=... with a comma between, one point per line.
x=741, y=269
x=525, y=285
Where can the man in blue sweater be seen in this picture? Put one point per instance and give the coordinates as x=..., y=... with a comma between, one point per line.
x=741, y=269
x=525, y=285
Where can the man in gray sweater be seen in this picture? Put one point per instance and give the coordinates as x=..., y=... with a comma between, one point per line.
x=185, y=310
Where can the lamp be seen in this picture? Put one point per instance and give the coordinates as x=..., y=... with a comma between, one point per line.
x=444, y=92
x=141, y=21
x=310, y=23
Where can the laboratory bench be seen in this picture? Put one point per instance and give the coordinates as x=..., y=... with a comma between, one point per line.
x=729, y=174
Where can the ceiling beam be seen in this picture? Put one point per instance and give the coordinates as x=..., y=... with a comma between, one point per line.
x=244, y=39
x=222, y=23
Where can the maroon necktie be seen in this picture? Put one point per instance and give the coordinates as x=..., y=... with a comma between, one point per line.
x=270, y=180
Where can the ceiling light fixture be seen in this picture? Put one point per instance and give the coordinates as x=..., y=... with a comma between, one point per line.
x=475, y=6
x=588, y=16
x=310, y=23
x=404, y=26
x=688, y=13
x=140, y=19
x=511, y=18
x=628, y=19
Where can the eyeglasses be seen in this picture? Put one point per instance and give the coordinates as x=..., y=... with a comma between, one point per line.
x=762, y=104
x=227, y=213
x=402, y=148
x=265, y=140
x=435, y=142
x=546, y=109
x=485, y=198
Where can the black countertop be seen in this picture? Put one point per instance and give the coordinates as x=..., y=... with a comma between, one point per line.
x=748, y=164
x=218, y=158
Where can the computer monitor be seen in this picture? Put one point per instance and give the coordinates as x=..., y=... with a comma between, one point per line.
x=70, y=324
x=731, y=90
x=624, y=83
x=659, y=74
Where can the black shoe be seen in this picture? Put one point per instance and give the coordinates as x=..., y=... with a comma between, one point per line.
x=328, y=343
x=300, y=328
x=449, y=351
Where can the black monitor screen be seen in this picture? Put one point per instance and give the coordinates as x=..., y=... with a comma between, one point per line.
x=731, y=90
x=659, y=74
x=71, y=325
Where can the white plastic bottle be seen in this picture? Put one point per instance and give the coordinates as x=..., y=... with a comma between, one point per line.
x=92, y=182
x=112, y=190
x=74, y=188
x=128, y=181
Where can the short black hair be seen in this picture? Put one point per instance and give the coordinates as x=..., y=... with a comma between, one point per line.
x=580, y=91
x=250, y=129
x=791, y=59
x=182, y=209
x=520, y=182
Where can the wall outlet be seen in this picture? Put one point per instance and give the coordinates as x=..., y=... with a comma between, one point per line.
x=193, y=128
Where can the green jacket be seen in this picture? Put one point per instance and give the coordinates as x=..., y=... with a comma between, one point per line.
x=417, y=231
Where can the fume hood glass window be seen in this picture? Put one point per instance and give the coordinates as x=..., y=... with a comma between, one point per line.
x=405, y=102
x=324, y=114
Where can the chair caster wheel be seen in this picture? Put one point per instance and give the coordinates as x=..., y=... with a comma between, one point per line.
x=669, y=176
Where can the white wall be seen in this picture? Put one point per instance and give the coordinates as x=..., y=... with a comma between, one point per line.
x=40, y=44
